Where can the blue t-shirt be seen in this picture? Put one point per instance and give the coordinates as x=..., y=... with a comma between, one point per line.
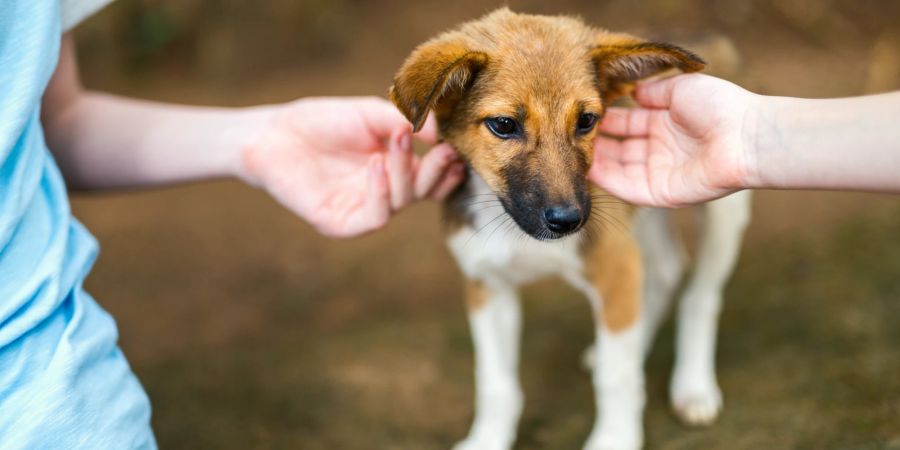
x=63, y=381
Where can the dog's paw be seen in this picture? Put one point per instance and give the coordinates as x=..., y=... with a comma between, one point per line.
x=696, y=404
x=608, y=439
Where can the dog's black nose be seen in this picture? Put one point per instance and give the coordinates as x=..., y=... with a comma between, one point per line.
x=563, y=219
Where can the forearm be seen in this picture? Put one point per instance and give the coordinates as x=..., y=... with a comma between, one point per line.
x=103, y=141
x=841, y=144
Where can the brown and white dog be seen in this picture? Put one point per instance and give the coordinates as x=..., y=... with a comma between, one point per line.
x=519, y=96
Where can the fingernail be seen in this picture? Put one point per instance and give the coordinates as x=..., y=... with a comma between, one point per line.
x=403, y=143
x=452, y=156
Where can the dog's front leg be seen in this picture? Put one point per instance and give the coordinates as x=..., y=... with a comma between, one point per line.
x=615, y=290
x=618, y=389
x=495, y=320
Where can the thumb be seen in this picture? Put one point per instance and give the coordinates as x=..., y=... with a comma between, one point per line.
x=381, y=117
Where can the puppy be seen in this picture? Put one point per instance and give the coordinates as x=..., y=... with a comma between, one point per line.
x=519, y=97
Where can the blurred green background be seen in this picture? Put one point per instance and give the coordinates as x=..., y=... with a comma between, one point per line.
x=250, y=331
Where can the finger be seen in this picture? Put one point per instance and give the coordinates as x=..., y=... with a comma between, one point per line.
x=656, y=93
x=380, y=116
x=602, y=171
x=428, y=133
x=399, y=168
x=608, y=148
x=376, y=208
x=431, y=167
x=625, y=181
x=454, y=175
x=629, y=151
x=626, y=122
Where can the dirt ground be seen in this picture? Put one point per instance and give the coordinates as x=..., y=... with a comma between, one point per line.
x=250, y=331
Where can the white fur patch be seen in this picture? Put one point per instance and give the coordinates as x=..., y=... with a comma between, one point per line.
x=495, y=250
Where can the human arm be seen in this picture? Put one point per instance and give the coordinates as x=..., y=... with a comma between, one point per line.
x=695, y=138
x=343, y=164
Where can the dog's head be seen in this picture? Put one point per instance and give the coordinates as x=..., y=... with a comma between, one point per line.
x=519, y=97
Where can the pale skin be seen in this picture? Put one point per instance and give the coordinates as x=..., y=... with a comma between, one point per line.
x=695, y=138
x=345, y=165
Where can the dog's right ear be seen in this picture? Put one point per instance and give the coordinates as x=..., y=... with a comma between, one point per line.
x=436, y=71
x=621, y=60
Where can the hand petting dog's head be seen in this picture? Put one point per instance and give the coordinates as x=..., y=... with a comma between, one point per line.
x=519, y=96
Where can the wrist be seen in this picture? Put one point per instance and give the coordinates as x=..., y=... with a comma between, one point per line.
x=243, y=142
x=758, y=135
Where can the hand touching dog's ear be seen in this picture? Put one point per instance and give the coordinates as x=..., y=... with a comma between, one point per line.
x=622, y=59
x=433, y=77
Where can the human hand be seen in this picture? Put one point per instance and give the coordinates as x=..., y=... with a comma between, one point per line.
x=687, y=142
x=344, y=164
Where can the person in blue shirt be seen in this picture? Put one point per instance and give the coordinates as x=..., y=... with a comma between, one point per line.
x=342, y=164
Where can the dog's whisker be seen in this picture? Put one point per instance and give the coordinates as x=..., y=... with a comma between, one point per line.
x=611, y=221
x=483, y=203
x=476, y=201
x=596, y=226
x=590, y=229
x=490, y=222
x=615, y=207
x=508, y=228
x=599, y=220
x=484, y=208
x=623, y=227
x=478, y=196
x=608, y=202
x=482, y=228
x=488, y=238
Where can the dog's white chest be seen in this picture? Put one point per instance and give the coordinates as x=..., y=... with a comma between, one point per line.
x=511, y=255
x=492, y=246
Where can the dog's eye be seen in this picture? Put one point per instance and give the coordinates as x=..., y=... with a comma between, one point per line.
x=586, y=122
x=503, y=127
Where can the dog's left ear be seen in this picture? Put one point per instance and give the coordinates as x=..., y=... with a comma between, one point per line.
x=621, y=60
x=436, y=73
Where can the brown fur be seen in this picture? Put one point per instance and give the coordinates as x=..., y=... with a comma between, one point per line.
x=544, y=72
x=612, y=262
x=476, y=295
